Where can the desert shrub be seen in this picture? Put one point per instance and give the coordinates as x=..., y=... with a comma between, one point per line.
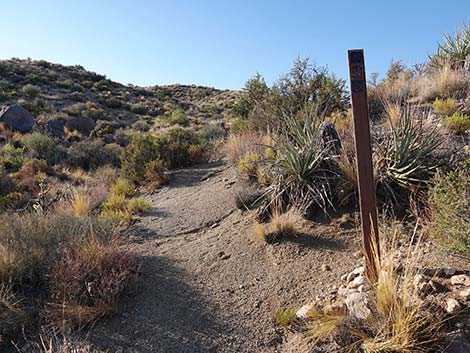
x=32, y=175
x=102, y=85
x=135, y=156
x=179, y=148
x=454, y=50
x=249, y=164
x=88, y=155
x=122, y=187
x=403, y=159
x=239, y=125
x=31, y=91
x=212, y=133
x=114, y=103
x=178, y=117
x=80, y=204
x=155, y=174
x=442, y=83
x=87, y=278
x=44, y=147
x=445, y=107
x=138, y=205
x=36, y=79
x=240, y=144
x=11, y=157
x=139, y=108
x=450, y=202
x=13, y=317
x=458, y=123
x=75, y=109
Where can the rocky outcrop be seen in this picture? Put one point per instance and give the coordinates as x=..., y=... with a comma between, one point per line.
x=16, y=118
x=79, y=125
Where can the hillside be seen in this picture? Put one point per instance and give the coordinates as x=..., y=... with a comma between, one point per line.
x=52, y=91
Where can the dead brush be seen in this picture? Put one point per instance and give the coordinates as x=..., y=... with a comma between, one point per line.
x=80, y=204
x=87, y=279
x=248, y=142
x=398, y=323
x=281, y=225
x=54, y=343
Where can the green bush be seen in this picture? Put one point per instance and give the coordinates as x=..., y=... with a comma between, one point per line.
x=11, y=157
x=450, y=202
x=45, y=147
x=176, y=148
x=446, y=106
x=89, y=155
x=140, y=151
x=178, y=117
x=458, y=123
x=139, y=108
x=31, y=91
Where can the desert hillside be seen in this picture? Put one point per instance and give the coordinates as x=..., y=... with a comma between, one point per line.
x=187, y=219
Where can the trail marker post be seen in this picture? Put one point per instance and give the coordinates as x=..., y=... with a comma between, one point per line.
x=365, y=173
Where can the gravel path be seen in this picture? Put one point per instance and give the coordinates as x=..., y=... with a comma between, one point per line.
x=207, y=284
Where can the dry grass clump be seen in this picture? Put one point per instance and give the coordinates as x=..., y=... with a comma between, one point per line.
x=398, y=323
x=281, y=225
x=12, y=316
x=77, y=263
x=87, y=278
x=243, y=143
x=443, y=82
x=123, y=187
x=62, y=344
x=80, y=204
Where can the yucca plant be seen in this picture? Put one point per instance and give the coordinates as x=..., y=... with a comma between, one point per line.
x=454, y=50
x=403, y=158
x=300, y=172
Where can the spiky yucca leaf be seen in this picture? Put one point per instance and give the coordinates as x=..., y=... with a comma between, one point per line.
x=403, y=157
x=300, y=172
x=454, y=50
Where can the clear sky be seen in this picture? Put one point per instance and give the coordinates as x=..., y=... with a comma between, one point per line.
x=222, y=43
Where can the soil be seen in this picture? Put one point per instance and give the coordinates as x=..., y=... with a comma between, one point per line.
x=207, y=284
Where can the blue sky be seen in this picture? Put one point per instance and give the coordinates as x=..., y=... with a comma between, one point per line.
x=222, y=43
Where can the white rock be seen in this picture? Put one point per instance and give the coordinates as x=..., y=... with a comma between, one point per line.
x=356, y=282
x=460, y=279
x=356, y=272
x=465, y=293
x=363, y=288
x=357, y=304
x=452, y=306
x=303, y=311
x=325, y=267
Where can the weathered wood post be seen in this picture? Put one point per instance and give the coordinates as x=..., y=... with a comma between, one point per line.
x=365, y=173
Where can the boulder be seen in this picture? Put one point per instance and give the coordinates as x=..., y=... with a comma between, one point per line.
x=17, y=118
x=80, y=124
x=55, y=128
x=330, y=137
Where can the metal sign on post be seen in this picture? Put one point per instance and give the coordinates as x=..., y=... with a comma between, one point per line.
x=365, y=173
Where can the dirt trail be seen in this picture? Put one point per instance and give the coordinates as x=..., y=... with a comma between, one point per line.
x=207, y=284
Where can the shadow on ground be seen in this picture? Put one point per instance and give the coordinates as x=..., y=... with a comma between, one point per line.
x=164, y=313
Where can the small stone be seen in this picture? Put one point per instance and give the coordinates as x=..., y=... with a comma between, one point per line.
x=225, y=257
x=344, y=277
x=325, y=267
x=303, y=311
x=465, y=294
x=452, y=306
x=460, y=279
x=357, y=304
x=424, y=288
x=449, y=271
x=358, y=254
x=356, y=282
x=215, y=225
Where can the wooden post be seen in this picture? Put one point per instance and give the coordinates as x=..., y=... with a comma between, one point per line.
x=365, y=172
